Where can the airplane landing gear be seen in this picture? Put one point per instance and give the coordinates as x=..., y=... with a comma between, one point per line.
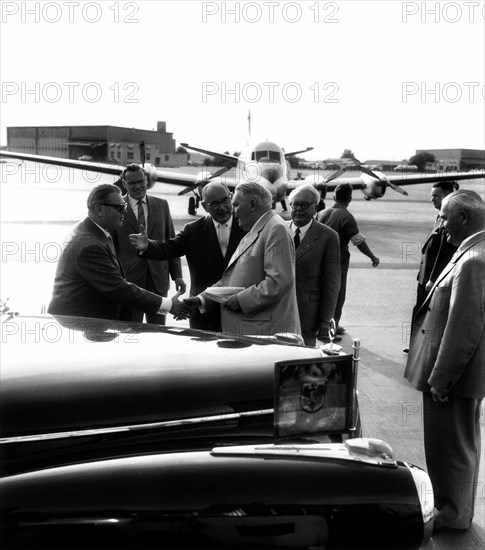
x=193, y=205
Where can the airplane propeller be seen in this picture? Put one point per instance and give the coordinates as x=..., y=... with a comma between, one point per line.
x=205, y=181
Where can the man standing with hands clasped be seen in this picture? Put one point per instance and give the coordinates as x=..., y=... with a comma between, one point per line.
x=446, y=362
x=317, y=265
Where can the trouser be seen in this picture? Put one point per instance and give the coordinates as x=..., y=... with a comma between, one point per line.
x=452, y=447
x=344, y=269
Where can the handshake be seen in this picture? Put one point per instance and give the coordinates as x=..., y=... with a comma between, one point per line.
x=185, y=308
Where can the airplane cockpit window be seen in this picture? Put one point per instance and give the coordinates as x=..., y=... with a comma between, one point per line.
x=274, y=156
x=262, y=155
x=268, y=156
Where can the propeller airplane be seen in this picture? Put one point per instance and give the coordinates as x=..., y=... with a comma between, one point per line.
x=267, y=163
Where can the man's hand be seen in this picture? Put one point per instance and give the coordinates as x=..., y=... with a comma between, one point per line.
x=193, y=303
x=180, y=285
x=375, y=261
x=180, y=310
x=232, y=304
x=139, y=240
x=438, y=396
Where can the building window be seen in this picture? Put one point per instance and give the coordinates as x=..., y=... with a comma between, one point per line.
x=157, y=161
x=167, y=158
x=148, y=156
x=130, y=155
x=118, y=154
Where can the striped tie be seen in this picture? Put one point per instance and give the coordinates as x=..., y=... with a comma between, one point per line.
x=141, y=214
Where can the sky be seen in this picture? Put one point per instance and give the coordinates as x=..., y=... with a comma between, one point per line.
x=380, y=78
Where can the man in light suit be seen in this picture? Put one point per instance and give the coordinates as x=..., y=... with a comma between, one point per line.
x=446, y=362
x=89, y=279
x=203, y=244
x=317, y=265
x=263, y=264
x=154, y=214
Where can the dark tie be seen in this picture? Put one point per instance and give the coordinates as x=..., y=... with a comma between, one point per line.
x=141, y=214
x=296, y=238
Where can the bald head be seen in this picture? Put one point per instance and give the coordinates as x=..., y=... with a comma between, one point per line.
x=216, y=200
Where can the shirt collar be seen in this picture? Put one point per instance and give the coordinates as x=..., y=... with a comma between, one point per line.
x=134, y=202
x=303, y=229
x=228, y=223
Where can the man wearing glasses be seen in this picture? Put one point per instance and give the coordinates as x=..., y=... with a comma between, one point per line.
x=89, y=280
x=154, y=215
x=208, y=244
x=317, y=265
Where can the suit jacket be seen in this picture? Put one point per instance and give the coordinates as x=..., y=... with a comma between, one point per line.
x=199, y=244
x=317, y=275
x=447, y=349
x=89, y=280
x=137, y=267
x=436, y=253
x=264, y=264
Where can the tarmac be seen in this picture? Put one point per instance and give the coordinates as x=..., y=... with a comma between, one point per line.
x=39, y=207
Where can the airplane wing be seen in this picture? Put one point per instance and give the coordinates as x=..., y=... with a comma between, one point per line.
x=174, y=178
x=395, y=181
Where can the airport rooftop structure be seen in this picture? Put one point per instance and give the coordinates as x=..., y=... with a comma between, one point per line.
x=114, y=144
x=465, y=159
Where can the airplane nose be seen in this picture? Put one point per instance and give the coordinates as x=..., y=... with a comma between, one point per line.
x=272, y=172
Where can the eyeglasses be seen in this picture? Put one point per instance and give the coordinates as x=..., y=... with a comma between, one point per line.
x=119, y=207
x=216, y=204
x=136, y=182
x=302, y=205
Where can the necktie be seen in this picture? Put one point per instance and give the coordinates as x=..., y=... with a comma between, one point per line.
x=141, y=214
x=111, y=246
x=296, y=237
x=223, y=236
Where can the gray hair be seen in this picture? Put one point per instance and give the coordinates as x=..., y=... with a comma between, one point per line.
x=100, y=193
x=305, y=187
x=256, y=191
x=469, y=202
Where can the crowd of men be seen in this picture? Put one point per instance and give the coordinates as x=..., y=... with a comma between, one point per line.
x=292, y=279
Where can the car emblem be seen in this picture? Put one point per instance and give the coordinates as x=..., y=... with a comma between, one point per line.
x=312, y=396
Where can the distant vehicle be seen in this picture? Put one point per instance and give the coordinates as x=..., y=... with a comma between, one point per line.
x=406, y=168
x=127, y=435
x=85, y=157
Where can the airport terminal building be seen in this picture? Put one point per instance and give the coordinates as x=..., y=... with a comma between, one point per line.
x=113, y=144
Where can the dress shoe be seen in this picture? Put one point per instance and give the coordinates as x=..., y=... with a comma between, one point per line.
x=340, y=330
x=405, y=350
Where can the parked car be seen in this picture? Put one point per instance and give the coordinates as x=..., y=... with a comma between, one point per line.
x=127, y=435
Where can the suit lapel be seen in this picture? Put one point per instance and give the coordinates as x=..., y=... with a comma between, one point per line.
x=250, y=238
x=308, y=242
x=456, y=256
x=130, y=216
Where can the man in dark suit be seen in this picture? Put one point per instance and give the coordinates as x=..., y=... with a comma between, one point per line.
x=446, y=362
x=436, y=251
x=205, y=246
x=154, y=214
x=89, y=279
x=317, y=265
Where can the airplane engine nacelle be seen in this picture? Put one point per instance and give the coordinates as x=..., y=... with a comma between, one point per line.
x=151, y=173
x=203, y=177
x=374, y=189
